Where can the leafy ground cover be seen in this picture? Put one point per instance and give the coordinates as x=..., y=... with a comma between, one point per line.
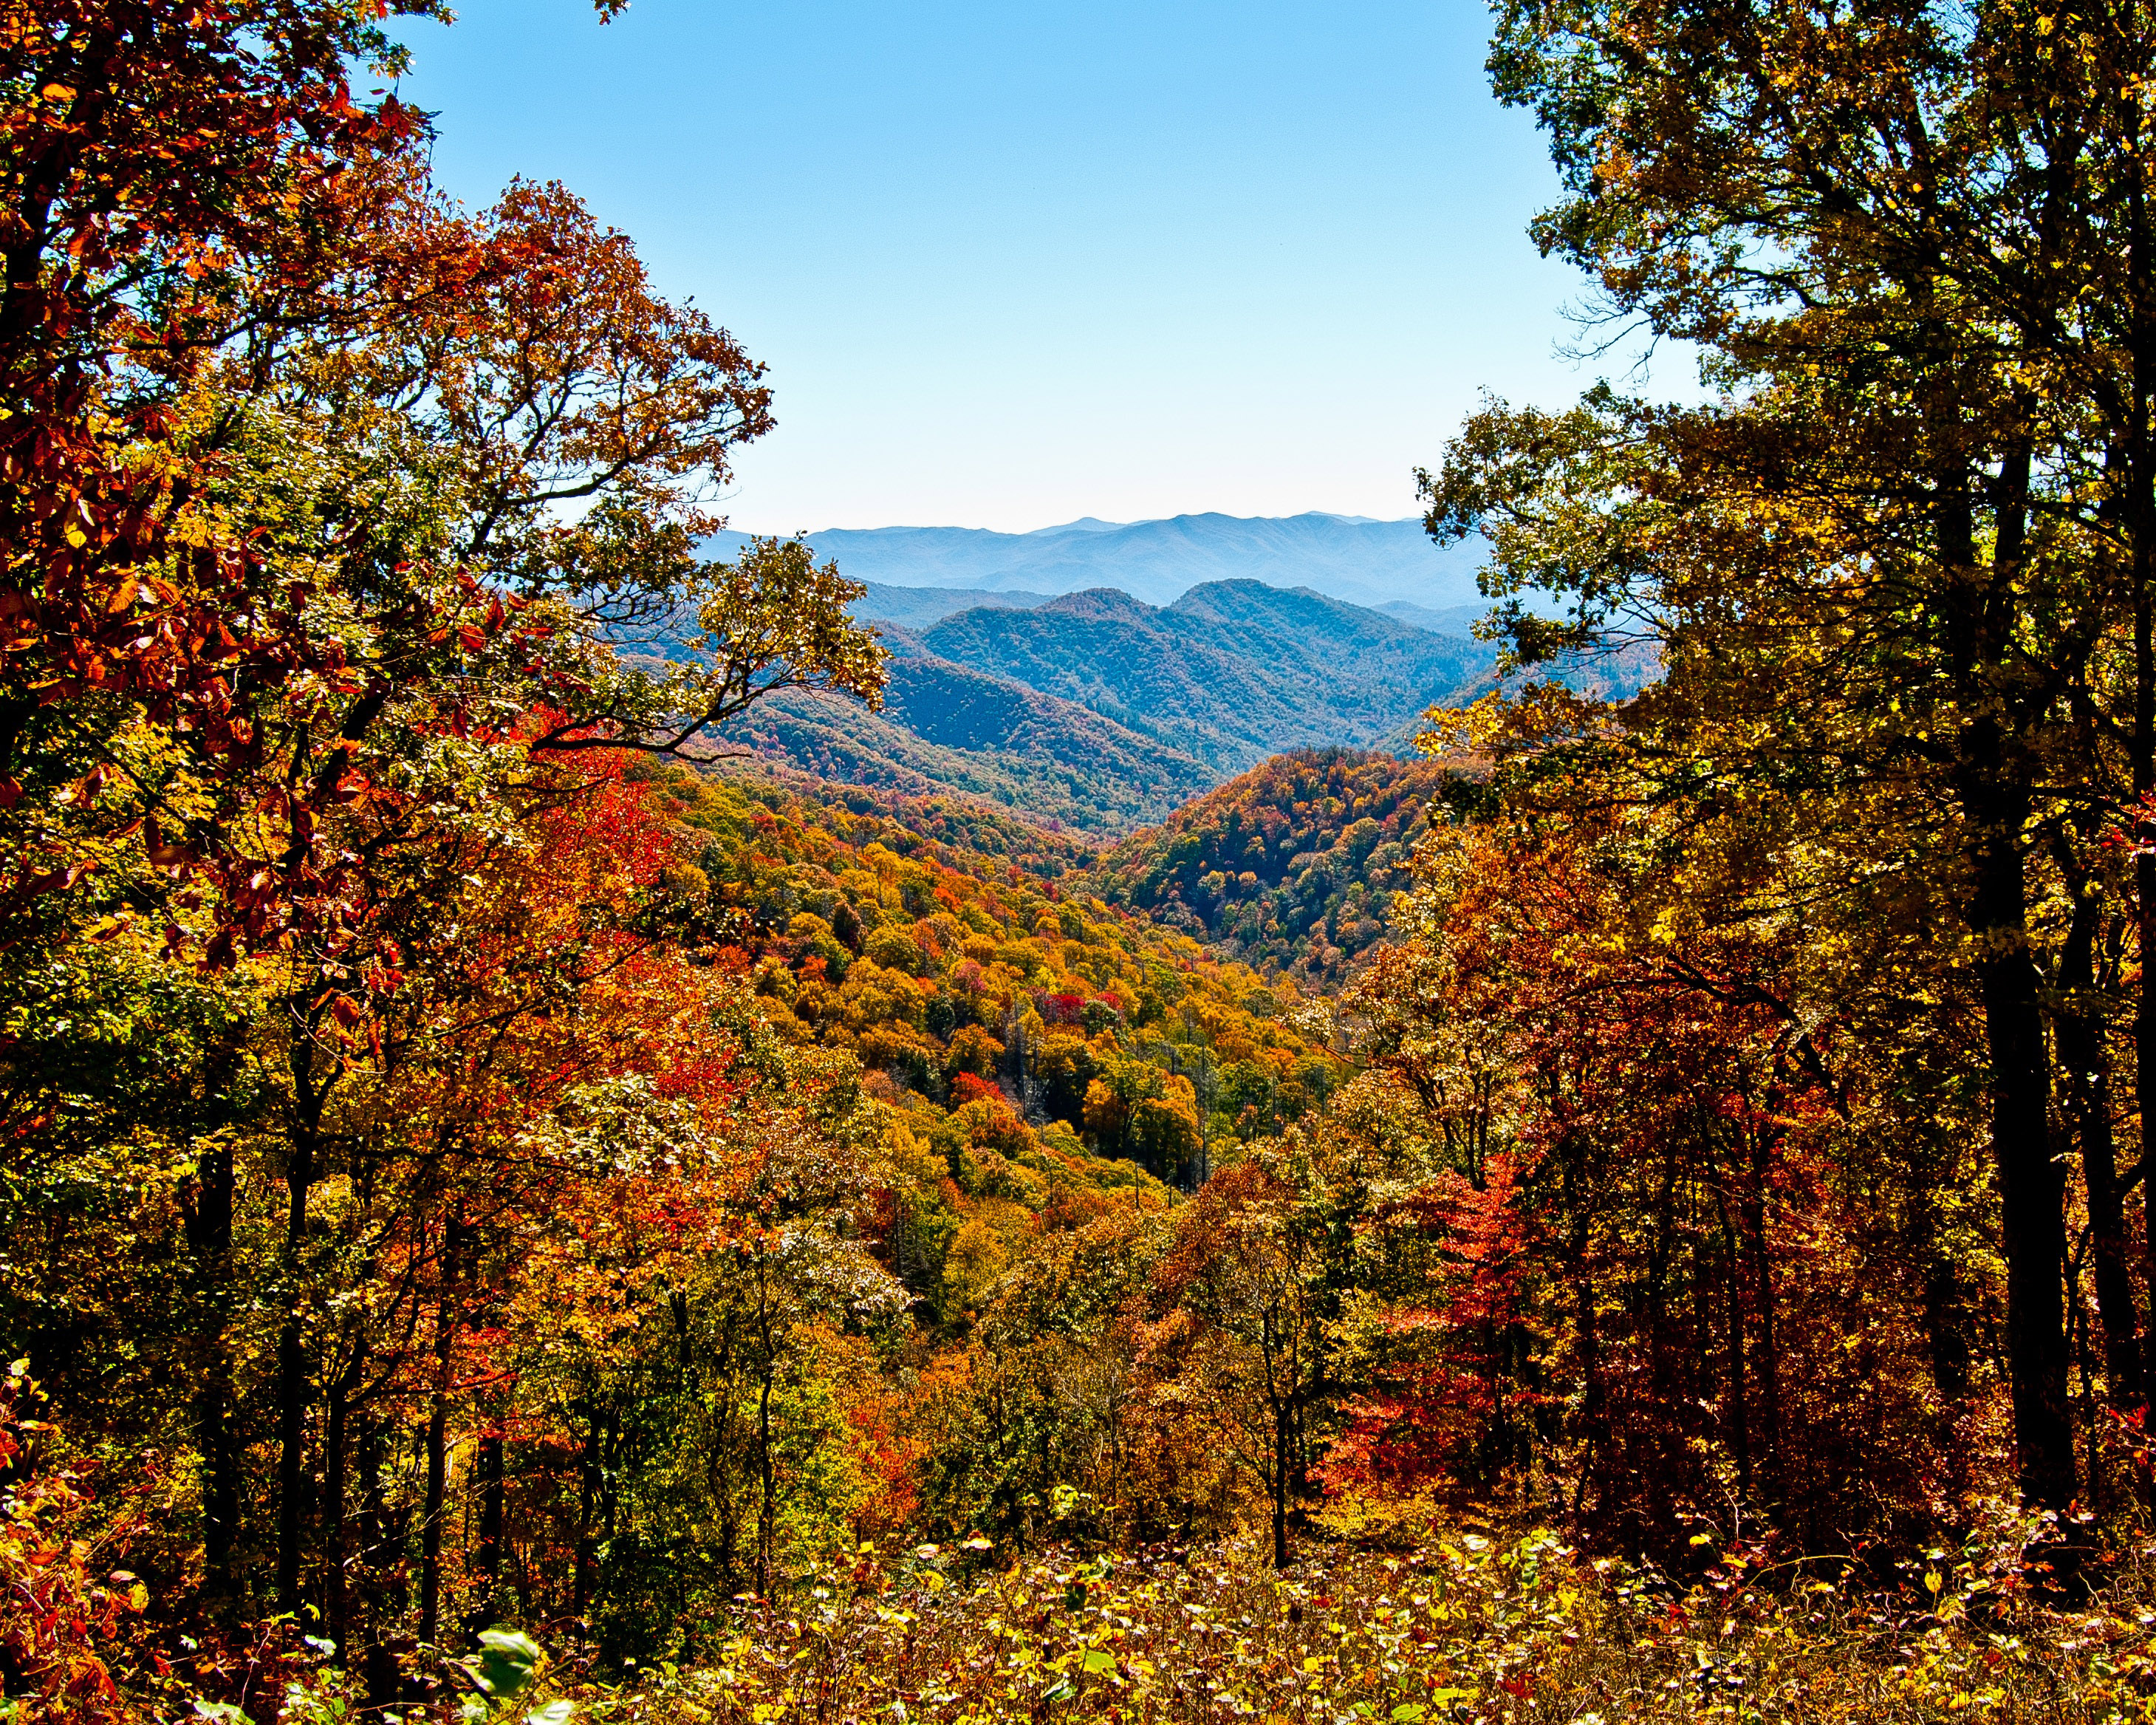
x=1474, y=1625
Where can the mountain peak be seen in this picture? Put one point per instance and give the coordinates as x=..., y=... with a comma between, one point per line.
x=1102, y=604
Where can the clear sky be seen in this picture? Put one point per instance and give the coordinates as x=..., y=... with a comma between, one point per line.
x=1011, y=264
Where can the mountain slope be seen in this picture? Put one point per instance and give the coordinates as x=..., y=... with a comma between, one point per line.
x=1230, y=673
x=1366, y=563
x=947, y=727
x=1291, y=867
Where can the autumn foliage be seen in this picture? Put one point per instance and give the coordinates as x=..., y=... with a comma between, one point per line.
x=508, y=1210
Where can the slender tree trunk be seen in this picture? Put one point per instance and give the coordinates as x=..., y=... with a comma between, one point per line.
x=209, y=1225
x=487, y=1559
x=2032, y=1185
x=767, y=1479
x=2144, y=892
x=1281, y=1441
x=293, y=1388
x=438, y=1431
x=588, y=1501
x=336, y=1609
x=1769, y=1372
x=1736, y=1421
x=2140, y=465
x=2086, y=1063
x=384, y=1682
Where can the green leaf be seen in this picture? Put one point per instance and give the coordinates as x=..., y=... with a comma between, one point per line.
x=1097, y=1661
x=508, y=1659
x=558, y=1711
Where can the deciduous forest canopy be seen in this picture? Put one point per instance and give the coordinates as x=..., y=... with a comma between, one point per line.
x=512, y=1210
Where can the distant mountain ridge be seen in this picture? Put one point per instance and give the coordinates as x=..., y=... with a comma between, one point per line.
x=1231, y=672
x=1097, y=712
x=1365, y=562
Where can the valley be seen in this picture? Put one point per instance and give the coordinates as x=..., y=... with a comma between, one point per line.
x=1096, y=710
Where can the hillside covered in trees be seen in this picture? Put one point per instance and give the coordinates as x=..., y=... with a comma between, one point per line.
x=514, y=1215
x=1098, y=712
x=946, y=728
x=1291, y=867
x=1231, y=672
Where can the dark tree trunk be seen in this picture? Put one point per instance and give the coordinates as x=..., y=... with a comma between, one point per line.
x=2032, y=1184
x=2144, y=892
x=1737, y=1420
x=590, y=1484
x=209, y=1229
x=377, y=1562
x=1769, y=1372
x=1282, y=1437
x=2086, y=1063
x=2140, y=510
x=294, y=1389
x=766, y=1480
x=437, y=1435
x=486, y=1558
x=336, y=1423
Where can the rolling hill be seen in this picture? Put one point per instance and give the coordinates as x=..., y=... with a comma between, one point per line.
x=1232, y=672
x=1289, y=867
x=947, y=727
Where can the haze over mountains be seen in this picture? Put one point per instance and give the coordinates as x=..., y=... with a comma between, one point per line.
x=1365, y=562
x=1233, y=671
x=1097, y=676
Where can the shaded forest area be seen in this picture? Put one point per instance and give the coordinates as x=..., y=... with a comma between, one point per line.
x=1642, y=1213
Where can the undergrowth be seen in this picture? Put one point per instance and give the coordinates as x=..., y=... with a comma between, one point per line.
x=1469, y=1627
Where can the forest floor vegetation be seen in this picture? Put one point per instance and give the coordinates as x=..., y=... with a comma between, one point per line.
x=1493, y=1625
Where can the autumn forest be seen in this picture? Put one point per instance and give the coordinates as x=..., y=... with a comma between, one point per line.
x=519, y=1204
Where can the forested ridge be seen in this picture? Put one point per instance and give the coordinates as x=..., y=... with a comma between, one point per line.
x=1293, y=866
x=948, y=729
x=513, y=1211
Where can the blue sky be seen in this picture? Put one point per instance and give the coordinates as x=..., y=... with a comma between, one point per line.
x=1013, y=264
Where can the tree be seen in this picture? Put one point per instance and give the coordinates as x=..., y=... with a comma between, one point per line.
x=1247, y=1266
x=1866, y=222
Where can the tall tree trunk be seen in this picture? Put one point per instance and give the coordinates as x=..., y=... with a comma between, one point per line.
x=294, y=1389
x=1769, y=1372
x=2032, y=1184
x=486, y=1558
x=2140, y=469
x=209, y=1228
x=1994, y=790
x=437, y=1434
x=337, y=1557
x=1281, y=1440
x=589, y=1485
x=1737, y=1419
x=766, y=1480
x=384, y=1680
x=2086, y=1063
x=2144, y=893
